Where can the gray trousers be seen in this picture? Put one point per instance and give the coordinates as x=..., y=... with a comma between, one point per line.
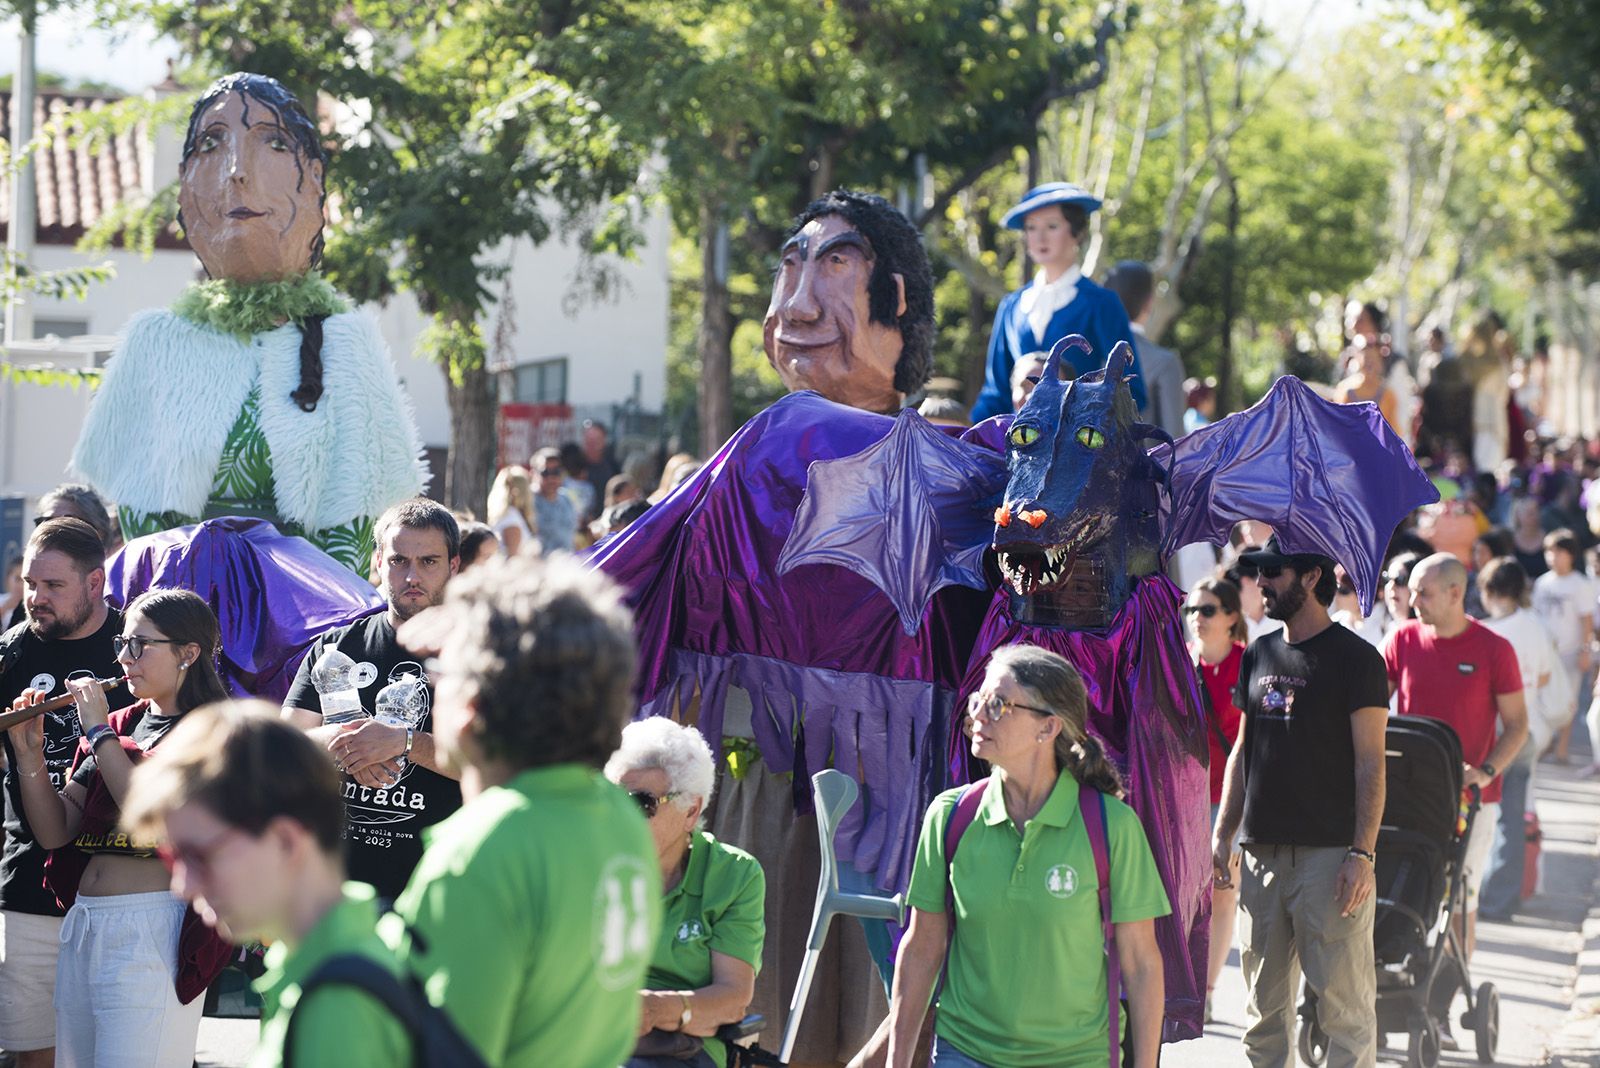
x=1289, y=921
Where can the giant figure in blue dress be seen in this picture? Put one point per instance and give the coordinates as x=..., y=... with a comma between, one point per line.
x=1059, y=301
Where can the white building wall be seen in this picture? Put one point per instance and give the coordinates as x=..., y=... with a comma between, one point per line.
x=607, y=344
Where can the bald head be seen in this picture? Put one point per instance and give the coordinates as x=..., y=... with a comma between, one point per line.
x=1438, y=592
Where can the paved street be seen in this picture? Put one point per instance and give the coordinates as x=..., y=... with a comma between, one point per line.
x=1534, y=962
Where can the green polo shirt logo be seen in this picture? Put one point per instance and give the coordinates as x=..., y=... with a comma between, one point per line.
x=1061, y=881
x=622, y=922
x=691, y=931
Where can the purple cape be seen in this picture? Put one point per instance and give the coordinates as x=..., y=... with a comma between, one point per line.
x=835, y=679
x=272, y=594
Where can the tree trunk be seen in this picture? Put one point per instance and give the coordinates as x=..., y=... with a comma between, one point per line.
x=1230, y=301
x=473, y=440
x=715, y=338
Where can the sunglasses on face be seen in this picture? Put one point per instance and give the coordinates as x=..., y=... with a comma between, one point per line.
x=650, y=803
x=1395, y=580
x=1205, y=610
x=553, y=473
x=135, y=646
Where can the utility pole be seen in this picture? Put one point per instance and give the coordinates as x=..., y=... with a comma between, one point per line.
x=21, y=231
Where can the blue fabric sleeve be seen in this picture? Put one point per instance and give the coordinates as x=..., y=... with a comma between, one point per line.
x=995, y=397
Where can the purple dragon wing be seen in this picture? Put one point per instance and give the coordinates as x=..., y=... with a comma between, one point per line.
x=911, y=513
x=1329, y=478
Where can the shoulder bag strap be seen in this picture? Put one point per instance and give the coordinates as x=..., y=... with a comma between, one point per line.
x=966, y=811
x=370, y=978
x=1092, y=807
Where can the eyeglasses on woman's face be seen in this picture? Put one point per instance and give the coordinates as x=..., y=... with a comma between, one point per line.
x=650, y=803
x=1205, y=611
x=136, y=645
x=994, y=708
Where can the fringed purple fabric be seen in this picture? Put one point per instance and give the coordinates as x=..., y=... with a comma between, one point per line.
x=887, y=734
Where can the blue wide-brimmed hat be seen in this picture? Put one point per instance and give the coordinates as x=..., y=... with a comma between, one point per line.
x=1049, y=193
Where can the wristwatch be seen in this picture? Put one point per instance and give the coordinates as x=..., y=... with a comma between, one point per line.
x=1366, y=855
x=688, y=1012
x=1488, y=769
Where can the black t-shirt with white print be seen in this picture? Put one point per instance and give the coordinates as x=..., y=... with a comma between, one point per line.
x=385, y=834
x=1300, y=763
x=36, y=663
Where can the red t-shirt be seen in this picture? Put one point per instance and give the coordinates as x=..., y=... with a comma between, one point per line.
x=1455, y=680
x=1219, y=680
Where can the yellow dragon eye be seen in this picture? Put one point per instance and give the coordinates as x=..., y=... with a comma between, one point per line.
x=1090, y=438
x=1023, y=436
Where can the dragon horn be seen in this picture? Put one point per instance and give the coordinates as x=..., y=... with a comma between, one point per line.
x=1052, y=363
x=1118, y=362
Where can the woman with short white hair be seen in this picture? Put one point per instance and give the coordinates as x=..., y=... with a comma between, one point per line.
x=703, y=973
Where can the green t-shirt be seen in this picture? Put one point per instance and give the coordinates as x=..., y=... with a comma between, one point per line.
x=531, y=917
x=337, y=1024
x=1027, y=979
x=718, y=906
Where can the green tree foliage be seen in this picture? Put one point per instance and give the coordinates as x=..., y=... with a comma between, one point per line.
x=453, y=138
x=1549, y=48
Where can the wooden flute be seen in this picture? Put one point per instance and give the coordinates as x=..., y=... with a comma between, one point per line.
x=22, y=715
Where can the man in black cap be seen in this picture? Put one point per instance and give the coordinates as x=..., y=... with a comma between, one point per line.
x=1307, y=776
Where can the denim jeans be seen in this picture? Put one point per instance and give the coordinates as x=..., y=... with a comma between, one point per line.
x=947, y=1056
x=1502, y=885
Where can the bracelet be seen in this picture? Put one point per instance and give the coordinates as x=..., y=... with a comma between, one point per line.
x=97, y=734
x=411, y=737
x=1366, y=855
x=1489, y=769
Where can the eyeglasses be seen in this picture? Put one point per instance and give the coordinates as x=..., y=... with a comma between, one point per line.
x=196, y=860
x=650, y=803
x=1395, y=580
x=136, y=645
x=994, y=708
x=1345, y=590
x=554, y=472
x=1206, y=610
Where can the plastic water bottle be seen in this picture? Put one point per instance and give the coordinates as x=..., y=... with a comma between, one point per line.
x=333, y=675
x=402, y=704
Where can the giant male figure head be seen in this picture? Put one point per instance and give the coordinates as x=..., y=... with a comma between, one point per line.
x=852, y=304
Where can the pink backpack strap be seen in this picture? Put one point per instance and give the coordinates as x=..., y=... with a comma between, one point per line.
x=966, y=811
x=1092, y=807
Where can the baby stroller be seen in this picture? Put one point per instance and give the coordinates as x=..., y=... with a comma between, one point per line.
x=1420, y=891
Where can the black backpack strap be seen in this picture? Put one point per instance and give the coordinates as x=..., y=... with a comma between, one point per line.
x=11, y=647
x=370, y=978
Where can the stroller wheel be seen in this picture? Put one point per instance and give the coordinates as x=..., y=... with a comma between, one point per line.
x=1424, y=1045
x=1313, y=1043
x=1486, y=1022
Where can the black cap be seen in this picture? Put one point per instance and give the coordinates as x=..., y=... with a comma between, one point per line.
x=1272, y=555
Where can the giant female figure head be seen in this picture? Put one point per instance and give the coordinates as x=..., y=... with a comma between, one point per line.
x=251, y=182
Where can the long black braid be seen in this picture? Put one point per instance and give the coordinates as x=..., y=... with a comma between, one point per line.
x=310, y=390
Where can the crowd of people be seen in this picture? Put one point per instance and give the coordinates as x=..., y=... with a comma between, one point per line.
x=464, y=750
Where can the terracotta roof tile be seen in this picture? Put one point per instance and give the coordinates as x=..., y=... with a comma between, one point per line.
x=76, y=186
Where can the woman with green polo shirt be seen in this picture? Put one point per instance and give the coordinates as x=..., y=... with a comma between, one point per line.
x=1025, y=975
x=252, y=817
x=703, y=973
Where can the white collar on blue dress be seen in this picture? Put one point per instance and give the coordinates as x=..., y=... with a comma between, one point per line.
x=1041, y=300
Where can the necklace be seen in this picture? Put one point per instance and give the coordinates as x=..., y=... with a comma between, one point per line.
x=246, y=310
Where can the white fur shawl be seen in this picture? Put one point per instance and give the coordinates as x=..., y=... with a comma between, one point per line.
x=172, y=392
